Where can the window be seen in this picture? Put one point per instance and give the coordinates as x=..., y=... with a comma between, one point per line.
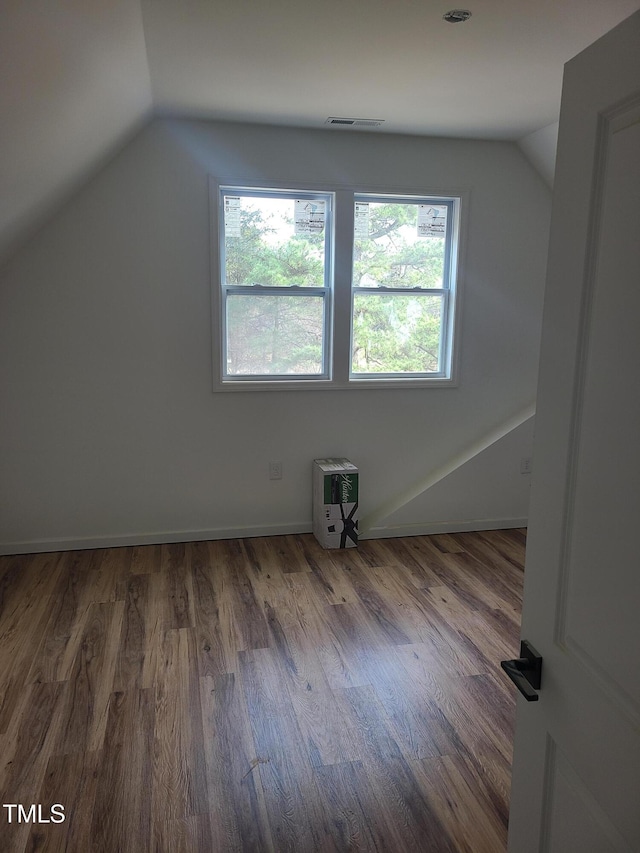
x=275, y=284
x=401, y=286
x=333, y=290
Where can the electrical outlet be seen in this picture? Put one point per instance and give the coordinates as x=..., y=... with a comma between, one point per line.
x=275, y=470
x=525, y=465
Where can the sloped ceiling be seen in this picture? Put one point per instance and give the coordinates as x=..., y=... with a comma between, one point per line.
x=79, y=76
x=74, y=82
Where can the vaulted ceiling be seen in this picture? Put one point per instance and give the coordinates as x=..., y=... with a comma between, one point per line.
x=78, y=77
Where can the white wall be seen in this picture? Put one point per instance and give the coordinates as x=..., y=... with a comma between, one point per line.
x=75, y=84
x=109, y=430
x=485, y=493
x=539, y=148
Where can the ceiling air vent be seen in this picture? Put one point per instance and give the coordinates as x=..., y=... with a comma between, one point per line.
x=354, y=122
x=457, y=16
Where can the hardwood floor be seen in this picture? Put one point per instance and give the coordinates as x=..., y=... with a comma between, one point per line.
x=260, y=695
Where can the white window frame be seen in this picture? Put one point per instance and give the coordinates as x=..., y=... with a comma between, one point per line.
x=324, y=292
x=447, y=292
x=339, y=289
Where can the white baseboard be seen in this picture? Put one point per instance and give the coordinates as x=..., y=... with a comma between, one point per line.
x=38, y=546
x=431, y=528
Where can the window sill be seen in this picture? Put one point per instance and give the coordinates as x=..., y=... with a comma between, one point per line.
x=332, y=384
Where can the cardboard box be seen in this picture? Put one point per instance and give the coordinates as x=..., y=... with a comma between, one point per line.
x=335, y=503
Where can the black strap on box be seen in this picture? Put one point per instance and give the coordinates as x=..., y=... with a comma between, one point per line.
x=350, y=528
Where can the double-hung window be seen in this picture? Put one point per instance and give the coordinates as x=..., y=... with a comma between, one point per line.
x=402, y=288
x=276, y=276
x=318, y=289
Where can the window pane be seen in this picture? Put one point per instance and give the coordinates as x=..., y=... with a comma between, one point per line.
x=399, y=245
x=274, y=335
x=396, y=333
x=274, y=241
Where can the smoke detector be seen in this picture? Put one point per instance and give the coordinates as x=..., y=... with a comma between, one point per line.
x=457, y=16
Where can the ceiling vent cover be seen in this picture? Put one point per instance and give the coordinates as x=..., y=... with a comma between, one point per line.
x=457, y=16
x=354, y=122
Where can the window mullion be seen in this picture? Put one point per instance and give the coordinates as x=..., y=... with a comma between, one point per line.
x=343, y=266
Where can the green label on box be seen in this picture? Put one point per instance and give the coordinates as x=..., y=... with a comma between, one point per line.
x=340, y=488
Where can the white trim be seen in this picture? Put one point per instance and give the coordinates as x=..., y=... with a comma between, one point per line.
x=40, y=546
x=433, y=527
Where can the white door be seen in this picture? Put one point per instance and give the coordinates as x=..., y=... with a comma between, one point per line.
x=576, y=774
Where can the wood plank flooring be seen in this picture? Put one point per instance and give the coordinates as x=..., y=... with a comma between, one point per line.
x=260, y=695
